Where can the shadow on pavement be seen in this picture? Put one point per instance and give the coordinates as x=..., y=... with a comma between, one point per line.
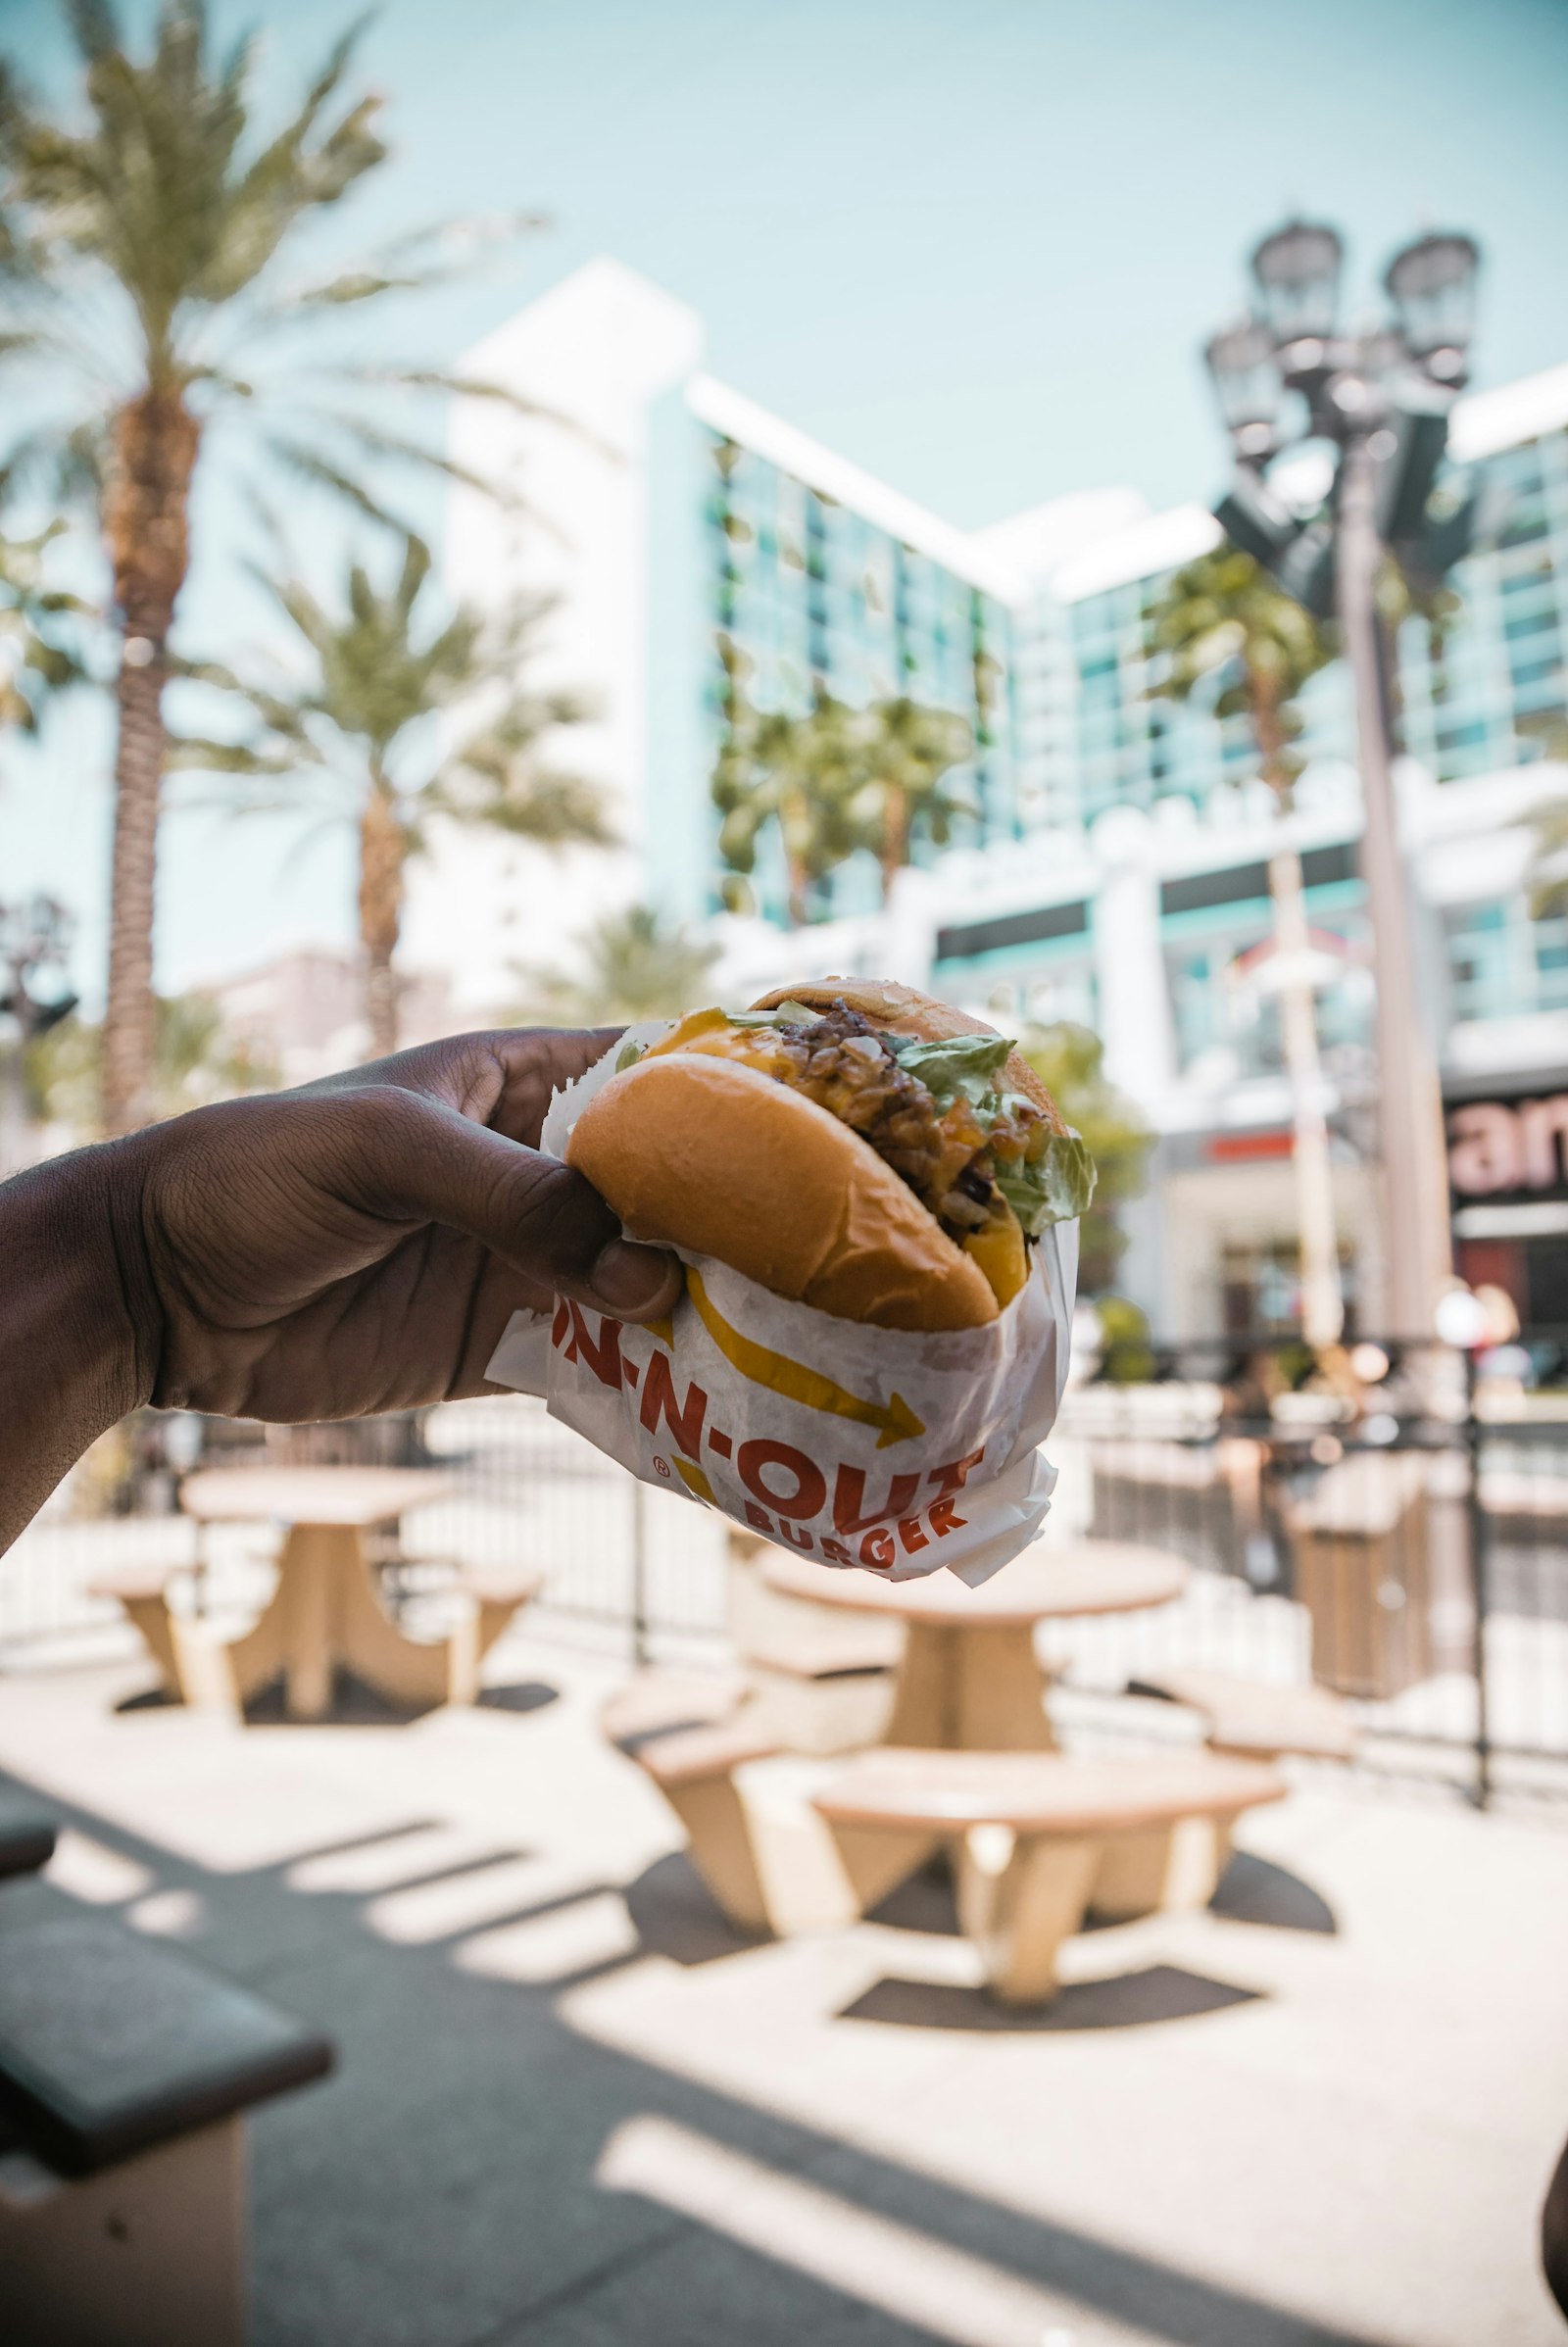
x=443, y=2189
x=673, y=1914
x=1130, y=2001
x=529, y=1695
x=1255, y=1890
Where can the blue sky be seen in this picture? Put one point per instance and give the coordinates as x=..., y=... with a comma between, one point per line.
x=974, y=248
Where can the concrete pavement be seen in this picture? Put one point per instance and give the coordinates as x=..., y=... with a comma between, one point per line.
x=573, y=2110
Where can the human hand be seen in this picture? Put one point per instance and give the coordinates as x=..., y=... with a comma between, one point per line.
x=359, y=1244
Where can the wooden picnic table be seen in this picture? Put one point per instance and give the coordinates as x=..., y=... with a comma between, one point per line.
x=970, y=1678
x=326, y=1611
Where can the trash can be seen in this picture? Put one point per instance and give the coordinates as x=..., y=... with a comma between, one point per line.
x=1361, y=1550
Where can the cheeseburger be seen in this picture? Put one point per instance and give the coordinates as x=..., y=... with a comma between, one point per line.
x=856, y=1147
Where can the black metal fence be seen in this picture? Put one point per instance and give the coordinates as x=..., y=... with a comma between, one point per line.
x=1402, y=1538
x=1393, y=1525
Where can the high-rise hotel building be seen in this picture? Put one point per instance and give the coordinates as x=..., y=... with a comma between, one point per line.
x=1115, y=867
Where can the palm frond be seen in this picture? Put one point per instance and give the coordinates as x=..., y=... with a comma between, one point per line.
x=307, y=463
x=397, y=448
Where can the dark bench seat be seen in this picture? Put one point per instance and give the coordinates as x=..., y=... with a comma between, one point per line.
x=124, y=2069
x=26, y=1838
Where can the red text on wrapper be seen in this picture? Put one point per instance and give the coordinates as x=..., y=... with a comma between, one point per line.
x=788, y=1489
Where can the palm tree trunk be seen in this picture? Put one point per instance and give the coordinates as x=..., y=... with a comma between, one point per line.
x=146, y=524
x=1322, y=1303
x=382, y=849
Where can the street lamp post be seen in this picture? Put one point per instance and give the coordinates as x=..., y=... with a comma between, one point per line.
x=1381, y=400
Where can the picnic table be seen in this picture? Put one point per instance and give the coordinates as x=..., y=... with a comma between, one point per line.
x=970, y=1678
x=324, y=1611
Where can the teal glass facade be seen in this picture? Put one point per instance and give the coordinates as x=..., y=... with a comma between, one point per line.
x=1497, y=693
x=803, y=594
x=793, y=592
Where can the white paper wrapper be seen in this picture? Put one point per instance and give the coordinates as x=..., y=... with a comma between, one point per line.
x=861, y=1447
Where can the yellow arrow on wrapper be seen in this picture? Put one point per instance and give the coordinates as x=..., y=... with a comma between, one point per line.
x=894, y=1420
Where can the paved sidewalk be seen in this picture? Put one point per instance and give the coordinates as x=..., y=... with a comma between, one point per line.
x=574, y=2111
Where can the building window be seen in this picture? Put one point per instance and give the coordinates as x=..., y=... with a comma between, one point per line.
x=1260, y=1285
x=1501, y=963
x=1227, y=1015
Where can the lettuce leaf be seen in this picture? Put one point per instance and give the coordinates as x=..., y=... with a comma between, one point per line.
x=784, y=1014
x=1056, y=1188
x=954, y=1064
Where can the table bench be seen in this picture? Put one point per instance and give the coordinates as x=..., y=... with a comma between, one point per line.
x=1251, y=1720
x=126, y=2069
x=689, y=1740
x=1037, y=1840
x=141, y=1591
x=333, y=1602
x=824, y=1678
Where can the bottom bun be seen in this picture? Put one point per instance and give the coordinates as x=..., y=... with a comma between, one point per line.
x=717, y=1157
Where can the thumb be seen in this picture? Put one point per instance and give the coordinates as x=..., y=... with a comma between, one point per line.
x=417, y=1156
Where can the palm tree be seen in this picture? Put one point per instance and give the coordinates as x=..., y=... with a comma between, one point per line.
x=801, y=774
x=398, y=716
x=1547, y=875
x=836, y=781
x=910, y=751
x=1220, y=616
x=142, y=253
x=634, y=967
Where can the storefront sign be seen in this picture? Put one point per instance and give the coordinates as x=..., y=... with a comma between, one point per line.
x=1509, y=1149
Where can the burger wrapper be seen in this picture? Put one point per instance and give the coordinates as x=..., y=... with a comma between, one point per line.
x=860, y=1447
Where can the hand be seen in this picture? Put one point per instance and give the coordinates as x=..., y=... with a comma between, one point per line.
x=359, y=1244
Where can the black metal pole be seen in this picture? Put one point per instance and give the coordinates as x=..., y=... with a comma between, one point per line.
x=1476, y=1516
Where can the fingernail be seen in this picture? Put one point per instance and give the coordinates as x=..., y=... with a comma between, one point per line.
x=635, y=1283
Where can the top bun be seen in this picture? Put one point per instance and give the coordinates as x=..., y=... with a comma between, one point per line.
x=715, y=1157
x=904, y=1010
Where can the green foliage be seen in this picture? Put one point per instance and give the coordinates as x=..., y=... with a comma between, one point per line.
x=798, y=774
x=145, y=242
x=37, y=655
x=1547, y=875
x=1126, y=1356
x=195, y=1060
x=1223, y=617
x=634, y=967
x=1070, y=1060
x=908, y=753
x=833, y=782
x=377, y=703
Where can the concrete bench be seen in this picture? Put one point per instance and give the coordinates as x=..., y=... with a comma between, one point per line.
x=26, y=1838
x=141, y=1591
x=1037, y=1840
x=823, y=1678
x=826, y=1688
x=125, y=2070
x=497, y=1593
x=657, y=1702
x=693, y=1760
x=1253, y=1721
